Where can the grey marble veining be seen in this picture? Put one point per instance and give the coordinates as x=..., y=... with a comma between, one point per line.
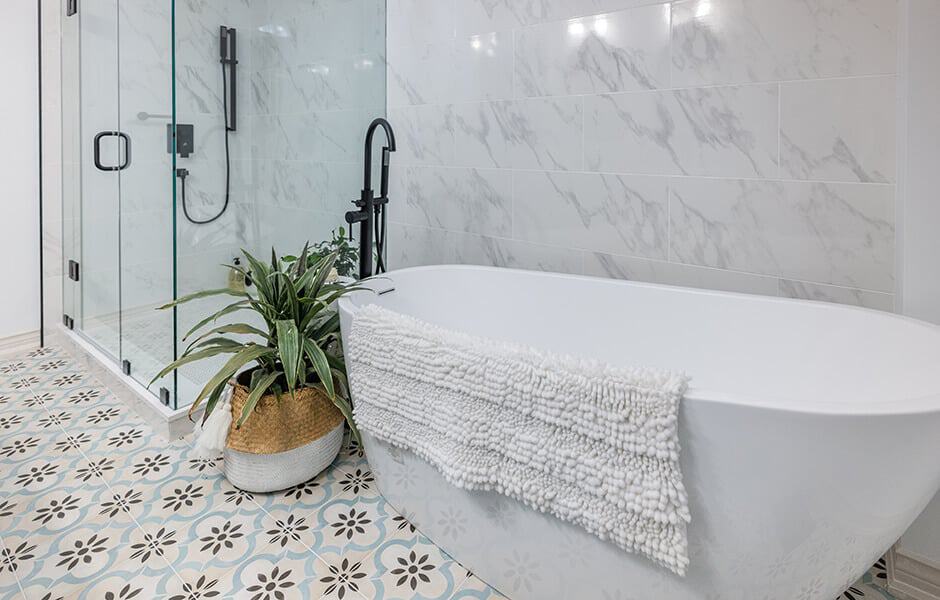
x=424, y=134
x=840, y=295
x=618, y=214
x=457, y=199
x=420, y=22
x=483, y=67
x=670, y=273
x=627, y=50
x=728, y=132
x=421, y=74
x=839, y=130
x=479, y=16
x=736, y=41
x=499, y=252
x=323, y=186
x=410, y=246
x=839, y=234
x=538, y=133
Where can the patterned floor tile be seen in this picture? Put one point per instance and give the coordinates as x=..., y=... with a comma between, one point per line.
x=275, y=577
x=342, y=577
x=95, y=505
x=17, y=557
x=415, y=570
x=225, y=539
x=123, y=582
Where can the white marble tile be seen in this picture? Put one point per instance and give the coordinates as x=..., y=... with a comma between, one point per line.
x=338, y=134
x=420, y=22
x=669, y=273
x=424, y=134
x=323, y=186
x=839, y=295
x=274, y=137
x=458, y=199
x=622, y=51
x=720, y=131
x=483, y=16
x=619, y=214
x=839, y=130
x=418, y=246
x=291, y=33
x=513, y=254
x=324, y=84
x=839, y=234
x=421, y=74
x=198, y=90
x=538, y=133
x=737, y=41
x=483, y=67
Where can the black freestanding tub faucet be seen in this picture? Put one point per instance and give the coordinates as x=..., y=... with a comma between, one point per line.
x=371, y=208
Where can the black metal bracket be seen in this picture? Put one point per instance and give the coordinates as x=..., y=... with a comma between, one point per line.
x=184, y=140
x=73, y=270
x=68, y=321
x=165, y=396
x=71, y=8
x=126, y=366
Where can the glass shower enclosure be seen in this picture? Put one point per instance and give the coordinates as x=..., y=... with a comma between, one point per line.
x=194, y=129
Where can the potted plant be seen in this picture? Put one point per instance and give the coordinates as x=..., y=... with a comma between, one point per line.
x=278, y=404
x=347, y=256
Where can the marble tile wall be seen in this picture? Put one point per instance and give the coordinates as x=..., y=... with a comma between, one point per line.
x=311, y=77
x=317, y=79
x=744, y=145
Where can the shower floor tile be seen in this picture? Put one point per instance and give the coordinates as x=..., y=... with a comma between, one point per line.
x=94, y=505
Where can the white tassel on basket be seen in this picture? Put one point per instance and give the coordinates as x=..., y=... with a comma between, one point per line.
x=211, y=435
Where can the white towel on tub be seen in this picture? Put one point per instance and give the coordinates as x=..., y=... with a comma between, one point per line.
x=592, y=444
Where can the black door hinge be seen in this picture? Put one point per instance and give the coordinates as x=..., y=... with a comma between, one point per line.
x=71, y=8
x=165, y=396
x=126, y=366
x=73, y=270
x=68, y=321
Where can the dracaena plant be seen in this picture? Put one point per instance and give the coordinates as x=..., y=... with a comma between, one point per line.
x=299, y=347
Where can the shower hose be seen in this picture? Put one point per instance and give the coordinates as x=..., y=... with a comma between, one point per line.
x=183, y=173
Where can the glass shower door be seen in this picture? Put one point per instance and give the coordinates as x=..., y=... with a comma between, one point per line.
x=126, y=202
x=146, y=244
x=101, y=157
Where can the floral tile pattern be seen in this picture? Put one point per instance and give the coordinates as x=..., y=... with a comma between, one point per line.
x=94, y=505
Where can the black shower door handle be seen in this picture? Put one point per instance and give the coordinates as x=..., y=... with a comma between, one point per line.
x=127, y=151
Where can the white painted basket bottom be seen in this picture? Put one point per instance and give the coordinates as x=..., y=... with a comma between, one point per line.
x=272, y=472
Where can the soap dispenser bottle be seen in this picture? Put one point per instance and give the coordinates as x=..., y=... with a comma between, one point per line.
x=236, y=279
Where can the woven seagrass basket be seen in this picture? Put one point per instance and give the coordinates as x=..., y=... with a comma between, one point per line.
x=286, y=441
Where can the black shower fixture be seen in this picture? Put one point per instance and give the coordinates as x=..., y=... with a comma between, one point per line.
x=371, y=214
x=228, y=58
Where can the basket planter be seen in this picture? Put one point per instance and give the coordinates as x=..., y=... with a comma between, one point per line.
x=287, y=440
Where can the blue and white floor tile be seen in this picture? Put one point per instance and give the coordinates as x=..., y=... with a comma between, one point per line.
x=94, y=505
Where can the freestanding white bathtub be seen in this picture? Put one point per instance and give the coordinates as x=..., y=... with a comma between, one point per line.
x=811, y=434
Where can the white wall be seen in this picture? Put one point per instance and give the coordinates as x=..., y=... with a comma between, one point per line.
x=19, y=170
x=919, y=220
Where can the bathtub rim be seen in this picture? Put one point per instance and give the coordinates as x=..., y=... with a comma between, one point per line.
x=924, y=404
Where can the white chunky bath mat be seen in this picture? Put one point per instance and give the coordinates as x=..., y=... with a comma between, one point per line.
x=589, y=443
